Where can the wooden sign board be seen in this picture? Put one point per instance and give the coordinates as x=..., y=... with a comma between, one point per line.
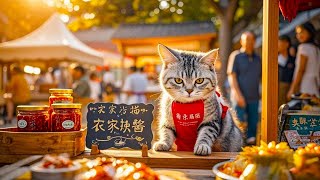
x=119, y=125
x=293, y=138
x=298, y=127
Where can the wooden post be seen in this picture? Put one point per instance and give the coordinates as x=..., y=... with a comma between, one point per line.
x=269, y=122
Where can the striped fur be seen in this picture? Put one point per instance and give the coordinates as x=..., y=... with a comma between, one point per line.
x=214, y=133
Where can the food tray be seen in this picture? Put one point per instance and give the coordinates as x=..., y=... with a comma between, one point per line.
x=220, y=175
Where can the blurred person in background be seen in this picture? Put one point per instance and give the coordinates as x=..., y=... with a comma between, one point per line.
x=80, y=86
x=108, y=80
x=95, y=87
x=286, y=66
x=293, y=51
x=61, y=76
x=135, y=86
x=17, y=92
x=307, y=72
x=44, y=78
x=244, y=75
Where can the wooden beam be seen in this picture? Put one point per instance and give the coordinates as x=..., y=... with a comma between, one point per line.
x=269, y=122
x=165, y=39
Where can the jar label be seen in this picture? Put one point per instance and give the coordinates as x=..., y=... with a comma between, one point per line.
x=22, y=123
x=68, y=124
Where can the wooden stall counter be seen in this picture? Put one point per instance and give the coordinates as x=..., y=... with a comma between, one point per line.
x=177, y=160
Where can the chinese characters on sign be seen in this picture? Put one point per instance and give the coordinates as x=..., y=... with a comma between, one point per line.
x=113, y=125
x=306, y=126
x=304, y=123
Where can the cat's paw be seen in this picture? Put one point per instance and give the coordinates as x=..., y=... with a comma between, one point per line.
x=202, y=149
x=161, y=146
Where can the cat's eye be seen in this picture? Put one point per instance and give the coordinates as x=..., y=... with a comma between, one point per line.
x=200, y=80
x=178, y=80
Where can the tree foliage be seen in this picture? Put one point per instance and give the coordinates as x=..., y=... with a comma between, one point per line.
x=20, y=17
x=114, y=12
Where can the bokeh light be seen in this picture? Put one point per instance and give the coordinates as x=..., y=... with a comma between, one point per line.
x=179, y=11
x=76, y=8
x=89, y=15
x=164, y=5
x=172, y=9
x=65, y=18
x=180, y=4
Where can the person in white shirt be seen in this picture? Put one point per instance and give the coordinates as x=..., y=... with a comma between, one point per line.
x=307, y=71
x=95, y=87
x=135, y=86
x=108, y=76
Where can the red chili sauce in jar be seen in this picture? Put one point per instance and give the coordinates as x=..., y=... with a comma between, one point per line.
x=66, y=117
x=60, y=96
x=33, y=118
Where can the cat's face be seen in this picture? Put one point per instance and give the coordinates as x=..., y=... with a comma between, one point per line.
x=187, y=76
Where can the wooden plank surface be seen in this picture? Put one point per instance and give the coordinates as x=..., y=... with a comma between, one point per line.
x=9, y=159
x=183, y=160
x=12, y=167
x=269, y=122
x=197, y=174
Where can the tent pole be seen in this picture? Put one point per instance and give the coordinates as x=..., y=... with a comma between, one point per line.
x=269, y=121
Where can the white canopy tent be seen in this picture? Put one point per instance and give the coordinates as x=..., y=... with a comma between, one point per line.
x=51, y=41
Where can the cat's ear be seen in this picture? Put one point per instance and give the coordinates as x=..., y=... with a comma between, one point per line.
x=210, y=57
x=167, y=55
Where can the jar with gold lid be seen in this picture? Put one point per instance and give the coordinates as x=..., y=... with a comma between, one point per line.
x=60, y=96
x=66, y=117
x=31, y=118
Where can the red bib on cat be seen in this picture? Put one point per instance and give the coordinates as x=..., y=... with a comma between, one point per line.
x=187, y=117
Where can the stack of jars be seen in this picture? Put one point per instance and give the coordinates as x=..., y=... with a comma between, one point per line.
x=61, y=114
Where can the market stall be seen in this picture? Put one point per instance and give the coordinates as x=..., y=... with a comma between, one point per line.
x=51, y=45
x=50, y=42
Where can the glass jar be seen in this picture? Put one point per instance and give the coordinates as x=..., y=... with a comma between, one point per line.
x=33, y=118
x=59, y=96
x=66, y=117
x=267, y=167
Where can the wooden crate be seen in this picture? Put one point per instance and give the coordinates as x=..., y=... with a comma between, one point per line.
x=17, y=145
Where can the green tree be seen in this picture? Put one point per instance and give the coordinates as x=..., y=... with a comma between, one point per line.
x=114, y=12
x=234, y=16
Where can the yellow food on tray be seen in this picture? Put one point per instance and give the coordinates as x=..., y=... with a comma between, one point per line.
x=236, y=167
x=251, y=153
x=307, y=162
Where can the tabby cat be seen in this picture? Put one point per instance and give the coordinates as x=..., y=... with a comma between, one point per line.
x=192, y=113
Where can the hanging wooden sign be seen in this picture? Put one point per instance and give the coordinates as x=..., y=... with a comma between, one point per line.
x=119, y=125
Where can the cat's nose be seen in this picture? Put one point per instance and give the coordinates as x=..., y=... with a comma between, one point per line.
x=189, y=90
